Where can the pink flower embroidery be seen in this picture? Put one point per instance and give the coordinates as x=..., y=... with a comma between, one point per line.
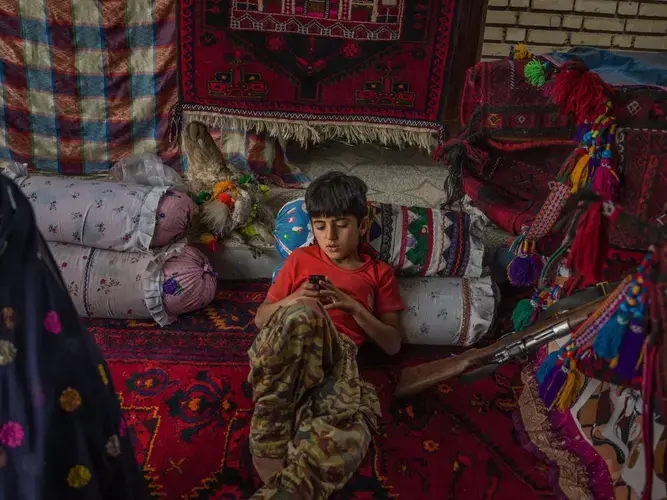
x=11, y=434
x=52, y=323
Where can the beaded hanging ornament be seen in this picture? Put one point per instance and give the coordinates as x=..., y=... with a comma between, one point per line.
x=589, y=166
x=616, y=332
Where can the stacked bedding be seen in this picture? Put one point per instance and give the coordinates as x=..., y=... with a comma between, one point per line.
x=120, y=246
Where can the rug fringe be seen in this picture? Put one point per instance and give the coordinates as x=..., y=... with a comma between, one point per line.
x=309, y=132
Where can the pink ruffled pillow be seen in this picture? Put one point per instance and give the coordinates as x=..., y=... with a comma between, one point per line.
x=174, y=215
x=189, y=282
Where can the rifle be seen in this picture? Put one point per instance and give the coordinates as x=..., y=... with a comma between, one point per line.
x=513, y=346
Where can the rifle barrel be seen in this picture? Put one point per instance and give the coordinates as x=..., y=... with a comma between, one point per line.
x=418, y=378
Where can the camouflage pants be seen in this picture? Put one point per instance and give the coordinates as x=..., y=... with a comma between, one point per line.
x=311, y=406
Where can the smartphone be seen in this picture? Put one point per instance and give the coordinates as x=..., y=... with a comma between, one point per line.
x=315, y=279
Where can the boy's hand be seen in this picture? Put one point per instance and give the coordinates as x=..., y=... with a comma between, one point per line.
x=338, y=299
x=307, y=289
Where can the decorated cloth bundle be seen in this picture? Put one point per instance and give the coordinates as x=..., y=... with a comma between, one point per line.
x=106, y=215
x=415, y=241
x=231, y=202
x=596, y=448
x=161, y=285
x=628, y=331
x=578, y=262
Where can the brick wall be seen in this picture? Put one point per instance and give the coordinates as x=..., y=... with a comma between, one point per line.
x=548, y=25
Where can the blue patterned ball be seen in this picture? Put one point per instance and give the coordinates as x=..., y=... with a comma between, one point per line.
x=292, y=227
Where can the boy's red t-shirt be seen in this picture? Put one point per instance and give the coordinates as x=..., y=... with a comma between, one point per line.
x=373, y=284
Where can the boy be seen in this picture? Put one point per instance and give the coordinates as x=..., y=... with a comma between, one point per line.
x=313, y=414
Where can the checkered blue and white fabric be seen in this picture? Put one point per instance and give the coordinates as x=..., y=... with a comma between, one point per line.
x=84, y=83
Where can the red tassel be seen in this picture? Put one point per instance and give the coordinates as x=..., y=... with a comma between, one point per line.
x=590, y=245
x=580, y=92
x=605, y=183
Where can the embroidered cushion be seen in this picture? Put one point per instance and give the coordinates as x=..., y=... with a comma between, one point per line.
x=413, y=240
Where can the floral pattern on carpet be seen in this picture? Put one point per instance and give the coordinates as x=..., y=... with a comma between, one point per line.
x=184, y=391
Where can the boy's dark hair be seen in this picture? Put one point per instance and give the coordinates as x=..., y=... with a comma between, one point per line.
x=336, y=193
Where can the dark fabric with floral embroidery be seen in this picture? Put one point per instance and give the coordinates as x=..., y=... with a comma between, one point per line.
x=62, y=435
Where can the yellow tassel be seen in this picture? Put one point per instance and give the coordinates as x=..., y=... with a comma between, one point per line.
x=521, y=52
x=579, y=175
x=613, y=363
x=223, y=186
x=206, y=238
x=570, y=390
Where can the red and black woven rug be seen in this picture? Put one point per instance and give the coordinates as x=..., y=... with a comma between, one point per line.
x=499, y=100
x=184, y=391
x=371, y=70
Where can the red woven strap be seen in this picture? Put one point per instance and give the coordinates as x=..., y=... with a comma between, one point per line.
x=550, y=211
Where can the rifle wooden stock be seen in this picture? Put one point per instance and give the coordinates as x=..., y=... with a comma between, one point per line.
x=418, y=378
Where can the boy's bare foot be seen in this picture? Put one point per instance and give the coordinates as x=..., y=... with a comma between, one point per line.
x=267, y=468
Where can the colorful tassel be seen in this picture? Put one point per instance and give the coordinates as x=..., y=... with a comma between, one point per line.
x=608, y=340
x=605, y=183
x=579, y=91
x=579, y=175
x=553, y=385
x=226, y=200
x=535, y=74
x=547, y=366
x=523, y=314
x=210, y=241
x=525, y=270
x=581, y=130
x=589, y=245
x=631, y=351
x=521, y=52
x=202, y=197
x=568, y=394
x=245, y=179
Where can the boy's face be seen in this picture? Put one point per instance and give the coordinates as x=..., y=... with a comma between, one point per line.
x=338, y=236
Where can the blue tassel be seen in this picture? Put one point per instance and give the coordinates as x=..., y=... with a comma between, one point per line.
x=546, y=367
x=607, y=343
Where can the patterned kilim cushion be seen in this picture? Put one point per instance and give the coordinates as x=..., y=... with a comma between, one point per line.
x=84, y=83
x=413, y=240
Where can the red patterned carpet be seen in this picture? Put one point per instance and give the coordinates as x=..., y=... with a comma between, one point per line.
x=184, y=392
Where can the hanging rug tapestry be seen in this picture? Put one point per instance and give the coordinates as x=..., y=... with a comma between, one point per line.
x=314, y=70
